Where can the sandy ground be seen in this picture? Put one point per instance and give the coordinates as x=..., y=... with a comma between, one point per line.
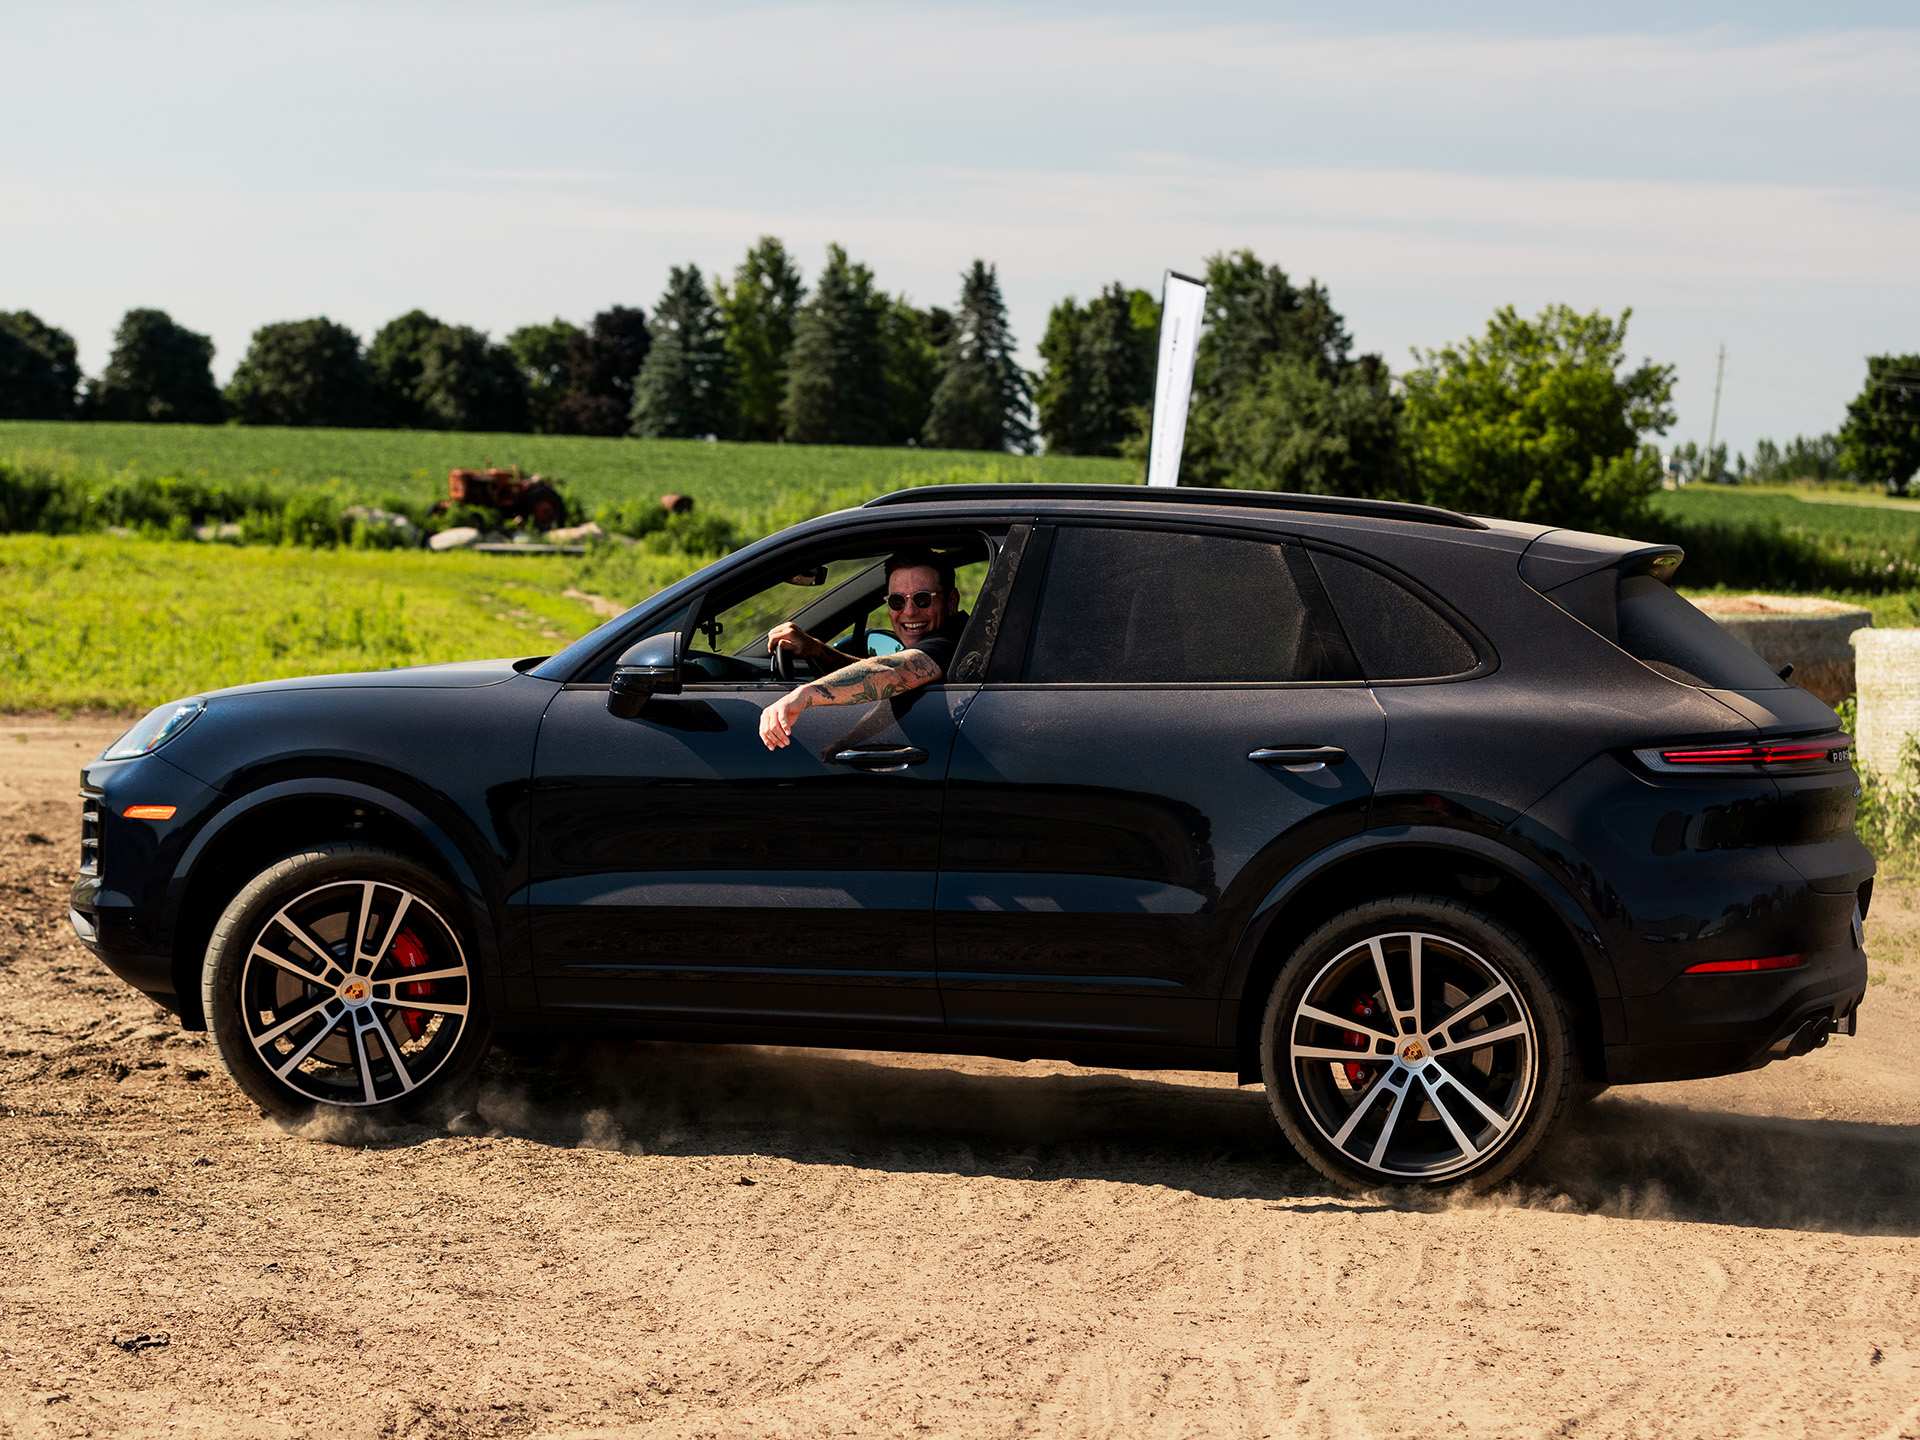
x=671, y=1241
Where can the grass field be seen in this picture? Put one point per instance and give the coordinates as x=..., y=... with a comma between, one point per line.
x=375, y=465
x=92, y=622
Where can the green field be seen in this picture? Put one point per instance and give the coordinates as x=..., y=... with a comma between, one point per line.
x=376, y=465
x=91, y=622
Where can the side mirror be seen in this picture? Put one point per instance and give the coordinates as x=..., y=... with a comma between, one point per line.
x=650, y=668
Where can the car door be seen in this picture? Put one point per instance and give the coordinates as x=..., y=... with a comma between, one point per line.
x=683, y=872
x=1180, y=727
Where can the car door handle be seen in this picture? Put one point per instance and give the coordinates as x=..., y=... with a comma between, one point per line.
x=1300, y=759
x=881, y=757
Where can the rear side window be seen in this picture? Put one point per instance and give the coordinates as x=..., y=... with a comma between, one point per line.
x=1146, y=606
x=1664, y=632
x=1396, y=634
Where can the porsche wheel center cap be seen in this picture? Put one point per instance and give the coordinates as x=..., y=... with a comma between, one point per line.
x=355, y=990
x=1413, y=1052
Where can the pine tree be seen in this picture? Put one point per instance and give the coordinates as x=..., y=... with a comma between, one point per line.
x=836, y=373
x=984, y=397
x=685, y=388
x=759, y=308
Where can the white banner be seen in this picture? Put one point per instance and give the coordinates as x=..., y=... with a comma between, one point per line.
x=1182, y=303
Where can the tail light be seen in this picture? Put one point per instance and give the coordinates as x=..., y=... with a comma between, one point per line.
x=1750, y=757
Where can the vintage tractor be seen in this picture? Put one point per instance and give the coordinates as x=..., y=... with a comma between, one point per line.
x=530, y=498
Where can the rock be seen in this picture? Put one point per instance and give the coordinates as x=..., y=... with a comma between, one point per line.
x=457, y=537
x=229, y=530
x=575, y=534
x=677, y=504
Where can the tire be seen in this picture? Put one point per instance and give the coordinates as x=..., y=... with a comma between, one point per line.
x=345, y=1028
x=1423, y=1103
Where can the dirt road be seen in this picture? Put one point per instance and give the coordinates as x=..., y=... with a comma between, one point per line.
x=669, y=1241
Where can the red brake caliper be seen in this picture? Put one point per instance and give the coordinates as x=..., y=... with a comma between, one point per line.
x=1357, y=1073
x=410, y=954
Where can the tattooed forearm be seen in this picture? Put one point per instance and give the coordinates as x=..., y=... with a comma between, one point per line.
x=875, y=679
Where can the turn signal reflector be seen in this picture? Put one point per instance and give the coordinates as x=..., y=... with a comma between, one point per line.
x=1737, y=967
x=148, y=812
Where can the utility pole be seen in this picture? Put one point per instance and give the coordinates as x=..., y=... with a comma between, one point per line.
x=1713, y=428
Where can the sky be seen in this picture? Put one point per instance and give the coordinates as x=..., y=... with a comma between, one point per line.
x=1737, y=174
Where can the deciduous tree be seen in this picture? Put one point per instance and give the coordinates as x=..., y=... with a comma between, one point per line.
x=158, y=371
x=1540, y=420
x=395, y=357
x=601, y=367
x=685, y=388
x=39, y=369
x=1881, y=439
x=467, y=382
x=910, y=343
x=303, y=372
x=1099, y=371
x=984, y=396
x=545, y=356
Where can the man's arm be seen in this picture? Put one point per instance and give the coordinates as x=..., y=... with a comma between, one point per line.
x=877, y=678
x=789, y=636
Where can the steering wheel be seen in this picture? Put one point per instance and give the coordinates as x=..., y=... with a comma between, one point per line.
x=783, y=664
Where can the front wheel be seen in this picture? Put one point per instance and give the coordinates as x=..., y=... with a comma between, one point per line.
x=339, y=977
x=1415, y=1041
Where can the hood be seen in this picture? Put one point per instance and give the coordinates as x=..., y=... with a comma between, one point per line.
x=460, y=675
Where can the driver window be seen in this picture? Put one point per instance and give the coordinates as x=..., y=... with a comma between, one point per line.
x=737, y=628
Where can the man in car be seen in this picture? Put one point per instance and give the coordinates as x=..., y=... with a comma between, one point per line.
x=924, y=609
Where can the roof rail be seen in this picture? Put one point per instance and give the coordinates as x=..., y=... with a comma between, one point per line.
x=1185, y=495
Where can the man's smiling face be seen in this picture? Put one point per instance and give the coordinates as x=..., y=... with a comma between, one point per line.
x=912, y=625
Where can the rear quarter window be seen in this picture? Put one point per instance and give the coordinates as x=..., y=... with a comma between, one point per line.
x=1666, y=633
x=1395, y=634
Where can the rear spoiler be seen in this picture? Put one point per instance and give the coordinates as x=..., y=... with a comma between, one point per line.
x=1581, y=573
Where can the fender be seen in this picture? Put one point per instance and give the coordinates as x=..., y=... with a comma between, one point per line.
x=1496, y=853
x=453, y=856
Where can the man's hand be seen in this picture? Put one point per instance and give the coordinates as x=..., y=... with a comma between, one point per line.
x=776, y=721
x=789, y=636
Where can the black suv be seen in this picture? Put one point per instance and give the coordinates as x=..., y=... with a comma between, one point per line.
x=1422, y=820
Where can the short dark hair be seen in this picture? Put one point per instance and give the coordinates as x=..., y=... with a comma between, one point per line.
x=917, y=557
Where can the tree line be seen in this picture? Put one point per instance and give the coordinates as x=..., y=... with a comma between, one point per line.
x=1538, y=417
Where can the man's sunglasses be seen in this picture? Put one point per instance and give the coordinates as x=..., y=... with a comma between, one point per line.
x=922, y=600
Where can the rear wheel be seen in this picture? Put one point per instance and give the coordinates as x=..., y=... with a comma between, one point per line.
x=1415, y=1041
x=339, y=977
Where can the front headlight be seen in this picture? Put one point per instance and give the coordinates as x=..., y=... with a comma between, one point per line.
x=159, y=727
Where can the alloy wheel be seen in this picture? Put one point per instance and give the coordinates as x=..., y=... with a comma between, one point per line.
x=1414, y=1056
x=355, y=993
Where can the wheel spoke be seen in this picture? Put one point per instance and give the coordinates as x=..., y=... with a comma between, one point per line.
x=1365, y=1103
x=1327, y=1052
x=295, y=1060
x=1499, y=991
x=1386, y=1130
x=392, y=1047
x=393, y=929
x=410, y=977
x=305, y=937
x=360, y=924
x=1480, y=1039
x=267, y=1037
x=1380, y=971
x=1467, y=1147
x=1313, y=1012
x=361, y=1021
x=293, y=967
x=1487, y=1112
x=435, y=1008
x=1413, y=961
